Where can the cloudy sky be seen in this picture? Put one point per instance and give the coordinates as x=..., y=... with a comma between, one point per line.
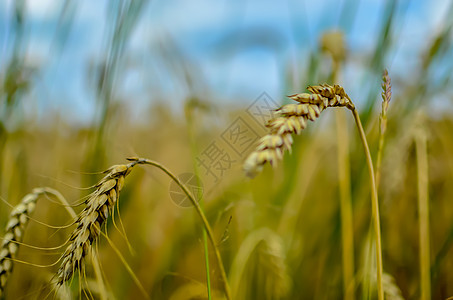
x=235, y=49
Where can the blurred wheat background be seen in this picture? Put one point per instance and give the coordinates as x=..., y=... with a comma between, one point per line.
x=85, y=84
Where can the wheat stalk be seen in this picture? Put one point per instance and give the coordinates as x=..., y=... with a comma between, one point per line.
x=99, y=207
x=292, y=119
x=421, y=146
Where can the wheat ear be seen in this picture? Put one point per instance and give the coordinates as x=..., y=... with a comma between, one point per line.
x=292, y=119
x=99, y=207
x=15, y=228
x=386, y=97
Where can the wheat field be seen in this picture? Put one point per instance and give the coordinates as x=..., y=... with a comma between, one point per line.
x=337, y=186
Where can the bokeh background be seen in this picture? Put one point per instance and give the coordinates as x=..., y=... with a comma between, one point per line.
x=85, y=84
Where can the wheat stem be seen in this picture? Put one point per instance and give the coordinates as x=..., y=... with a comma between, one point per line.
x=206, y=261
x=193, y=148
x=379, y=159
x=344, y=178
x=423, y=210
x=347, y=232
x=202, y=217
x=374, y=204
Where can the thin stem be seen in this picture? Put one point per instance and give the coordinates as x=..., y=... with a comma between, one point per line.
x=423, y=210
x=344, y=178
x=193, y=147
x=374, y=205
x=347, y=232
x=379, y=158
x=202, y=217
x=206, y=262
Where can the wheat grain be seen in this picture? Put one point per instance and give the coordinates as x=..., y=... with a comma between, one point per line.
x=292, y=119
x=99, y=207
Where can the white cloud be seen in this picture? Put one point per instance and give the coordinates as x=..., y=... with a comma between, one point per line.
x=42, y=9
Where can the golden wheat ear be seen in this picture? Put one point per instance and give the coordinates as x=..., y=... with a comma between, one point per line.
x=292, y=119
x=99, y=207
x=15, y=228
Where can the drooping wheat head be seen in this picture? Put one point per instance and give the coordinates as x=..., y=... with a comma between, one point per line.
x=15, y=228
x=99, y=207
x=292, y=119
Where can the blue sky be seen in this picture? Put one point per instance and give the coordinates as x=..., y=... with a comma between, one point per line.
x=236, y=49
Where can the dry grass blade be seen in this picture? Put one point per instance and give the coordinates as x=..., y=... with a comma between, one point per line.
x=99, y=207
x=292, y=119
